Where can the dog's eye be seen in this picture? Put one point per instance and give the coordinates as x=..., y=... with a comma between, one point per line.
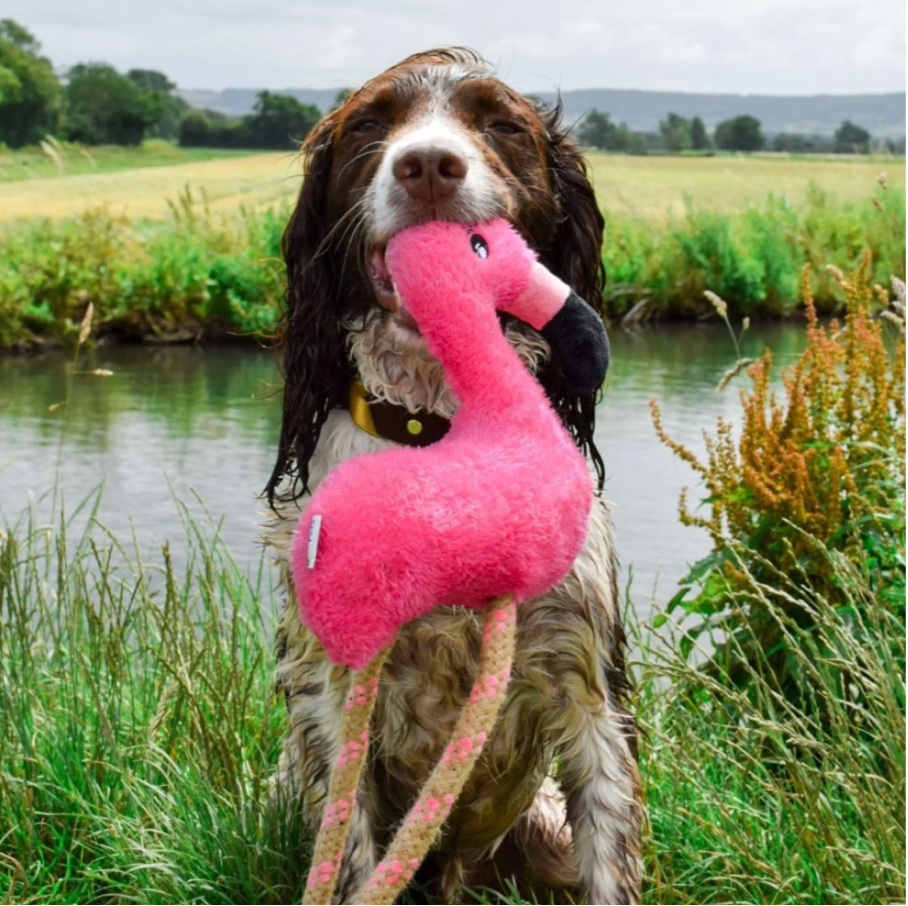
x=506, y=128
x=367, y=126
x=480, y=246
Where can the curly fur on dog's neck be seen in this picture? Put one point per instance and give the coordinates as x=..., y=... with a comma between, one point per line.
x=395, y=366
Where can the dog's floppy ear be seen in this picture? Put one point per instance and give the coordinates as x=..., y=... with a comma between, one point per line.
x=314, y=361
x=575, y=255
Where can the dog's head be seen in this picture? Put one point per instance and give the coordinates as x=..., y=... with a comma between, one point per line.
x=436, y=137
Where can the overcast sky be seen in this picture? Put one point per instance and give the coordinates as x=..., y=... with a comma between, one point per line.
x=740, y=46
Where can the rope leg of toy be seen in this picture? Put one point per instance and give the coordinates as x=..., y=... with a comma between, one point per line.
x=428, y=814
x=345, y=775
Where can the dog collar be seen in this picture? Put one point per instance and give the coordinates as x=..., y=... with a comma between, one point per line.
x=395, y=423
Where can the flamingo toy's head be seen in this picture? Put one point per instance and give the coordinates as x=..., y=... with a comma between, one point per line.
x=489, y=266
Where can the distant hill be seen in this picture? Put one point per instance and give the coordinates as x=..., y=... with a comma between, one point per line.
x=237, y=101
x=821, y=114
x=882, y=114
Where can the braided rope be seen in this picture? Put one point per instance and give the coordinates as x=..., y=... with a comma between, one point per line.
x=427, y=815
x=335, y=826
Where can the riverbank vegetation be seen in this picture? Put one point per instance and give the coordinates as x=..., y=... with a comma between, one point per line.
x=201, y=274
x=139, y=728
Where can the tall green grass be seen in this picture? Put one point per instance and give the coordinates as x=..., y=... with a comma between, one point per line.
x=138, y=726
x=753, y=259
x=199, y=275
x=756, y=798
x=193, y=275
x=139, y=729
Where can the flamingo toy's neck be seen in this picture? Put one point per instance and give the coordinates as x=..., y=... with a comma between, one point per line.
x=462, y=331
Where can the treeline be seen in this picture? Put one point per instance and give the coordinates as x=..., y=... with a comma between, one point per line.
x=678, y=134
x=94, y=104
x=277, y=121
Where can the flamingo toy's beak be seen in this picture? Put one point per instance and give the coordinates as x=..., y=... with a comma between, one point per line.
x=570, y=326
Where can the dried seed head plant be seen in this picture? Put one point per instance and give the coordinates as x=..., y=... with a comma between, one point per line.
x=825, y=455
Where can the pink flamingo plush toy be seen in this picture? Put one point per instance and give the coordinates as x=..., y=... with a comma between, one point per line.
x=495, y=512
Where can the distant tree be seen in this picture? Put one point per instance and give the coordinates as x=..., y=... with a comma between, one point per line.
x=637, y=143
x=851, y=139
x=676, y=133
x=29, y=89
x=622, y=138
x=213, y=129
x=341, y=98
x=279, y=121
x=169, y=125
x=743, y=133
x=598, y=130
x=791, y=142
x=10, y=85
x=799, y=143
x=164, y=107
x=594, y=129
x=103, y=107
x=195, y=129
x=698, y=135
x=151, y=81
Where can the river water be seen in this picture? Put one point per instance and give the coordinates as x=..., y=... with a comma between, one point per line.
x=201, y=424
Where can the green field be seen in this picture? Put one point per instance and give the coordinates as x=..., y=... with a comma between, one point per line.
x=68, y=160
x=654, y=187
x=139, y=182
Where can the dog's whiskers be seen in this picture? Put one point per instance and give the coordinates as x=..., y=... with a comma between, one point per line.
x=377, y=147
x=343, y=221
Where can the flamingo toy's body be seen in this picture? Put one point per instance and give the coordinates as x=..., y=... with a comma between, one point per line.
x=499, y=506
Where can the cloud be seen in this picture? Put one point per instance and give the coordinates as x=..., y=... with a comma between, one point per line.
x=745, y=46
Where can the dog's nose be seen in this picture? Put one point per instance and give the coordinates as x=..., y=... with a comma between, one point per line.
x=430, y=173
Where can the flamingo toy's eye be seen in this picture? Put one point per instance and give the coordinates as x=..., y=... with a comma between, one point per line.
x=480, y=246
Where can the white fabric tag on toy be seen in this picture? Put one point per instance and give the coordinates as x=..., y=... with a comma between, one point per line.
x=315, y=528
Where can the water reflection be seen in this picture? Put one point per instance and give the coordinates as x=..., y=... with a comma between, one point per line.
x=205, y=422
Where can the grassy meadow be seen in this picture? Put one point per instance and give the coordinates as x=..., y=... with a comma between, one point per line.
x=138, y=182
x=142, y=189
x=656, y=187
x=56, y=160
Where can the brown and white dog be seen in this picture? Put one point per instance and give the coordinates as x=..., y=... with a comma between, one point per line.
x=555, y=799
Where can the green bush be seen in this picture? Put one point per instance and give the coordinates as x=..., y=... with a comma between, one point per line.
x=753, y=259
x=186, y=277
x=756, y=798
